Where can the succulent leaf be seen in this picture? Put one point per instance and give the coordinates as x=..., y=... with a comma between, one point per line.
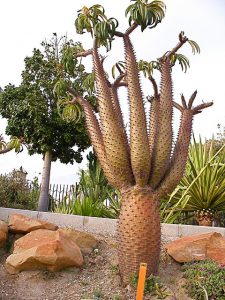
x=146, y=14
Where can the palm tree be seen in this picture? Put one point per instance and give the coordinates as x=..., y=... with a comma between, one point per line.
x=145, y=166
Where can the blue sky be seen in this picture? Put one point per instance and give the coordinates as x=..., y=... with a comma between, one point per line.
x=24, y=24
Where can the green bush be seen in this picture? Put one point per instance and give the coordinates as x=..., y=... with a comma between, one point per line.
x=93, y=195
x=84, y=207
x=17, y=192
x=205, y=280
x=202, y=189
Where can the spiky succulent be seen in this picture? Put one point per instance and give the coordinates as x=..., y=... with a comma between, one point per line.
x=144, y=166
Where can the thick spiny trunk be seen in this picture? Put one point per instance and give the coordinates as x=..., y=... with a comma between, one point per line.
x=138, y=232
x=44, y=198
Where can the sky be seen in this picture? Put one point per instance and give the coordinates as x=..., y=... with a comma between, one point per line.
x=25, y=23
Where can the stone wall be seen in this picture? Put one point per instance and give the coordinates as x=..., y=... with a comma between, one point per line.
x=106, y=226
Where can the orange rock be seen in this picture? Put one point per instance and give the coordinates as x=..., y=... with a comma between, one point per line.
x=3, y=238
x=3, y=233
x=86, y=241
x=216, y=250
x=198, y=247
x=44, y=249
x=3, y=227
x=23, y=224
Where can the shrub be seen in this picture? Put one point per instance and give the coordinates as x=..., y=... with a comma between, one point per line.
x=17, y=192
x=201, y=192
x=205, y=279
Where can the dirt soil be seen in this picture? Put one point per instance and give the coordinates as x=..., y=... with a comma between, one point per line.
x=97, y=279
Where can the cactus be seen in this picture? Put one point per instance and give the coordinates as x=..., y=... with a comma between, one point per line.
x=143, y=167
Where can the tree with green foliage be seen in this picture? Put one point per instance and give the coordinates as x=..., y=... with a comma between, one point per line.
x=33, y=113
x=145, y=166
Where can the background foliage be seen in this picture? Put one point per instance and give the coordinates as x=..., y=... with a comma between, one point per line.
x=17, y=192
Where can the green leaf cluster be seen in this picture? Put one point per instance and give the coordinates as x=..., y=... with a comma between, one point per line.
x=146, y=14
x=182, y=60
x=148, y=67
x=205, y=279
x=94, y=21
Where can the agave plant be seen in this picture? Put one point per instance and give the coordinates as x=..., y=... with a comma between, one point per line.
x=201, y=191
x=145, y=166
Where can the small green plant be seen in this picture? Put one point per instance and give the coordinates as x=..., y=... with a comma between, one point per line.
x=114, y=269
x=153, y=286
x=205, y=280
x=98, y=294
x=117, y=297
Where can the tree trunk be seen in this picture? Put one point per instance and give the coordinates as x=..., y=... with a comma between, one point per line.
x=138, y=232
x=44, y=198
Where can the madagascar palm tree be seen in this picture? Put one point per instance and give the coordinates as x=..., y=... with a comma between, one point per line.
x=145, y=166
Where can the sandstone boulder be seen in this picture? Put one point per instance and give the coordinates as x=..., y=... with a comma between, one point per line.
x=3, y=233
x=198, y=247
x=44, y=249
x=86, y=241
x=23, y=224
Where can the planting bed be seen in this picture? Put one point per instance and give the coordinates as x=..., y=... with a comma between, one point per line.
x=97, y=279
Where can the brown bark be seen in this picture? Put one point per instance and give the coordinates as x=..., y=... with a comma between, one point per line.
x=138, y=232
x=44, y=197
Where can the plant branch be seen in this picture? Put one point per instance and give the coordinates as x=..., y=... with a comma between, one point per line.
x=178, y=106
x=184, y=102
x=72, y=91
x=128, y=31
x=192, y=98
x=155, y=87
x=195, y=110
x=118, y=80
x=182, y=40
x=84, y=53
x=119, y=34
x=131, y=29
x=198, y=109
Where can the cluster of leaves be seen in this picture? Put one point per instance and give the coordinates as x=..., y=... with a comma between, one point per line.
x=94, y=20
x=202, y=186
x=94, y=196
x=146, y=14
x=17, y=192
x=153, y=286
x=205, y=280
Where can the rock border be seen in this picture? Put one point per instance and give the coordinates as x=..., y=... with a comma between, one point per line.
x=106, y=226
